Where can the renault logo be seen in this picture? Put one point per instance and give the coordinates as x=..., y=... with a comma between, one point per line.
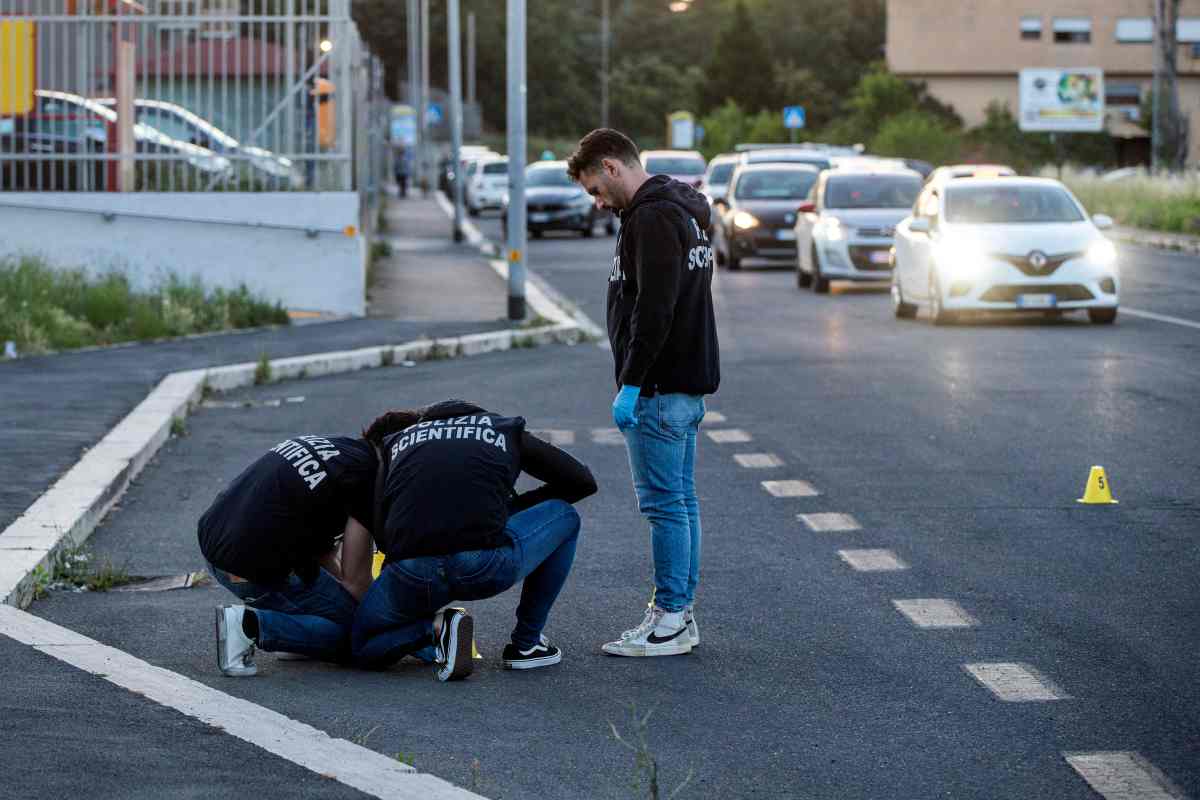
x=1037, y=259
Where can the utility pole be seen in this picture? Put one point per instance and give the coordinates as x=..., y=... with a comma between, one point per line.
x=604, y=36
x=455, y=69
x=428, y=169
x=1156, y=113
x=471, y=57
x=516, y=159
x=414, y=90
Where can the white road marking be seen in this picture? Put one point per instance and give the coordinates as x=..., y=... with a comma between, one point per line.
x=1015, y=683
x=713, y=417
x=758, y=460
x=827, y=521
x=313, y=749
x=558, y=438
x=607, y=436
x=790, y=488
x=729, y=436
x=1123, y=775
x=872, y=560
x=935, y=613
x=1134, y=312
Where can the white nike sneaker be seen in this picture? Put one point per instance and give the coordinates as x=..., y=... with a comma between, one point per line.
x=235, y=650
x=661, y=633
x=689, y=617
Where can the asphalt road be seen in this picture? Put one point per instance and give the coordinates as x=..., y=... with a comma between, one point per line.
x=959, y=450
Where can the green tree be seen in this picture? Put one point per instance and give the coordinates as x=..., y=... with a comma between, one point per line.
x=801, y=86
x=918, y=134
x=644, y=89
x=741, y=68
x=723, y=128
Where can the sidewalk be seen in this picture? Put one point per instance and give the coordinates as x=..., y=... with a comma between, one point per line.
x=57, y=406
x=1163, y=241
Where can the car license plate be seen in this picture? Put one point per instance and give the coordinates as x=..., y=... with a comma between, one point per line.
x=1036, y=301
x=880, y=257
x=539, y=217
x=785, y=235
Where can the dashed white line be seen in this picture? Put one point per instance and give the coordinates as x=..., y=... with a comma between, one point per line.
x=729, y=436
x=556, y=437
x=758, y=460
x=711, y=417
x=1123, y=775
x=827, y=522
x=1015, y=683
x=790, y=488
x=871, y=560
x=935, y=613
x=607, y=436
x=1134, y=312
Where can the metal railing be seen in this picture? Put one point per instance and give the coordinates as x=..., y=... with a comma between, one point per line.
x=189, y=95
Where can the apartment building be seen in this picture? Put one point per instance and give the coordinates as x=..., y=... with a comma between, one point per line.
x=969, y=53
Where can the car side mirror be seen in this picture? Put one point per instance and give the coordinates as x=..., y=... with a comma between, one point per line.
x=919, y=225
x=1102, y=221
x=806, y=208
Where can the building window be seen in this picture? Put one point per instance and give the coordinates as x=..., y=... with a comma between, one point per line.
x=1031, y=27
x=1072, y=30
x=1135, y=30
x=1187, y=30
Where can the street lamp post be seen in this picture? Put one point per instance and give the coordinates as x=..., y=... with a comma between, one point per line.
x=455, y=68
x=516, y=159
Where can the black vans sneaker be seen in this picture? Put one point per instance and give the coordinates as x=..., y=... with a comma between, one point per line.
x=453, y=660
x=542, y=654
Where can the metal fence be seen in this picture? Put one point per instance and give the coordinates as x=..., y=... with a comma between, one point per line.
x=189, y=95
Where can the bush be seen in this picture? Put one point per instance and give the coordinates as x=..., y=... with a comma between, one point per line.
x=1162, y=203
x=42, y=308
x=917, y=134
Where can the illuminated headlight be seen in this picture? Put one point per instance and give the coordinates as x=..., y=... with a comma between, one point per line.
x=960, y=258
x=834, y=230
x=1102, y=252
x=745, y=220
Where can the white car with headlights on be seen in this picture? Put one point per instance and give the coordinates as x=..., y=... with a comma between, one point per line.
x=1004, y=244
x=844, y=229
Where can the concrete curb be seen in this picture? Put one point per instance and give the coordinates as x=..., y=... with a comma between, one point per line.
x=1161, y=241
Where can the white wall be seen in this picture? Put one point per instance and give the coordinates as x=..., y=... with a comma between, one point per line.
x=289, y=247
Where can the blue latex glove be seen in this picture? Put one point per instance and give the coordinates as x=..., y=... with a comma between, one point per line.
x=623, y=406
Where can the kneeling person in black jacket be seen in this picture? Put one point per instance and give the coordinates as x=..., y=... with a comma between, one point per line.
x=451, y=528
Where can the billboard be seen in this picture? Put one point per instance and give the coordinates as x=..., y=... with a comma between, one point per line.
x=681, y=130
x=1065, y=100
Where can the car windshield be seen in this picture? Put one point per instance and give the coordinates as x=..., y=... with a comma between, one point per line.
x=720, y=173
x=495, y=168
x=659, y=165
x=872, y=191
x=790, y=184
x=547, y=177
x=789, y=158
x=1010, y=205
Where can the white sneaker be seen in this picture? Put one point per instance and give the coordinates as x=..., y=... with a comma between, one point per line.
x=689, y=618
x=235, y=650
x=661, y=633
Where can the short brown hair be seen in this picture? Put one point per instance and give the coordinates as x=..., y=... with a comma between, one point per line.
x=600, y=144
x=389, y=423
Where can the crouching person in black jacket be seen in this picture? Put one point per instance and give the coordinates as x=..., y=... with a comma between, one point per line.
x=452, y=528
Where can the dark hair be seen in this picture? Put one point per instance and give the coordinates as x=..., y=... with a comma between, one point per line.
x=600, y=144
x=387, y=424
x=450, y=408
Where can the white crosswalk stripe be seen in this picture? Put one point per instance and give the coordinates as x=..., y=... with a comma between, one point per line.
x=872, y=560
x=729, y=436
x=607, y=436
x=712, y=417
x=827, y=521
x=758, y=460
x=1015, y=683
x=1123, y=775
x=556, y=437
x=935, y=613
x=790, y=488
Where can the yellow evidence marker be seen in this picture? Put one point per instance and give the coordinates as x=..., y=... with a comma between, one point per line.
x=1098, y=491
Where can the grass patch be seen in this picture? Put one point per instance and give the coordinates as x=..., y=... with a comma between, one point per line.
x=179, y=427
x=262, y=372
x=77, y=568
x=1161, y=203
x=43, y=309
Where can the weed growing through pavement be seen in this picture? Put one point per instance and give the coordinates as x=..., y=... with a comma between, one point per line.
x=523, y=342
x=405, y=758
x=179, y=427
x=387, y=357
x=76, y=567
x=536, y=321
x=646, y=777
x=360, y=739
x=262, y=372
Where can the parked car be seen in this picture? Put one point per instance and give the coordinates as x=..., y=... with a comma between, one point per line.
x=64, y=123
x=1014, y=244
x=255, y=163
x=844, y=229
x=716, y=177
x=466, y=153
x=487, y=184
x=554, y=202
x=685, y=166
x=756, y=217
x=788, y=155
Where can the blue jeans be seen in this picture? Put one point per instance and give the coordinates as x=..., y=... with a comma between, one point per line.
x=312, y=619
x=662, y=458
x=396, y=615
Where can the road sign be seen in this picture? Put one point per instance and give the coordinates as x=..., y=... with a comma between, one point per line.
x=793, y=116
x=1062, y=99
x=681, y=130
x=433, y=114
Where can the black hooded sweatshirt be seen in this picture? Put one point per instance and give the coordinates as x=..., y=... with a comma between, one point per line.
x=660, y=311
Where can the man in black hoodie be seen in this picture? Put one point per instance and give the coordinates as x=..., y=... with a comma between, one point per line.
x=664, y=343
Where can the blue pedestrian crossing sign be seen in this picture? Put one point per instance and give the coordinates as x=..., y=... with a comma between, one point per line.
x=433, y=114
x=793, y=116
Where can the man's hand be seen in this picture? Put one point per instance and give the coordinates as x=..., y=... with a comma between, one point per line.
x=624, y=405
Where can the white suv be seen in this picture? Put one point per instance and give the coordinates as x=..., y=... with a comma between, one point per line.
x=488, y=185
